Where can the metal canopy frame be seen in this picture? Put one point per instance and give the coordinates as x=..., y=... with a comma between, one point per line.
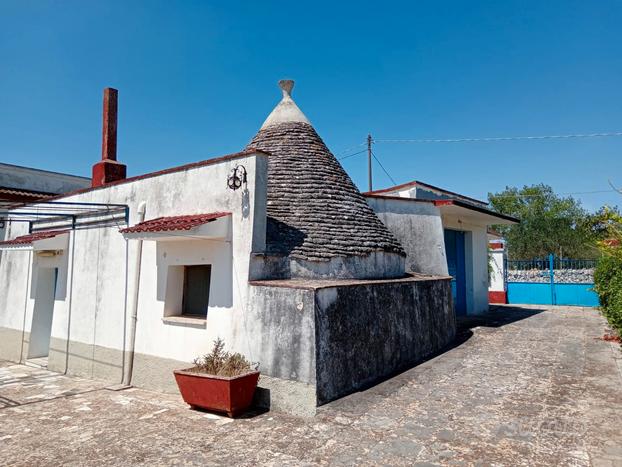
x=46, y=215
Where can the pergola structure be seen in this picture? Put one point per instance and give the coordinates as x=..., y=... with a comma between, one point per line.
x=64, y=215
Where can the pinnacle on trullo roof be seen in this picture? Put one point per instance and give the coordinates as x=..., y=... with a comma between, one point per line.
x=315, y=212
x=286, y=110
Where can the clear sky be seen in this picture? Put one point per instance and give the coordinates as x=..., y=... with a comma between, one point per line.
x=196, y=79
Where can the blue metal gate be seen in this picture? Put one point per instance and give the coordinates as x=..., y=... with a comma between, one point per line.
x=551, y=281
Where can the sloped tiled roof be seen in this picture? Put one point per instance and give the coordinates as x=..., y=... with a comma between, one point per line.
x=30, y=238
x=168, y=224
x=315, y=212
x=24, y=193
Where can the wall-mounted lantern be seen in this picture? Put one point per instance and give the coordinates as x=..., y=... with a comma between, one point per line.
x=237, y=178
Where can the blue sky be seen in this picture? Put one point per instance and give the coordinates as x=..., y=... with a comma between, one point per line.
x=196, y=80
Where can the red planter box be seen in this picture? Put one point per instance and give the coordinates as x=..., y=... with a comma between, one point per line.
x=232, y=395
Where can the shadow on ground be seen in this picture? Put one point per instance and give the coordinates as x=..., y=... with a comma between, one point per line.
x=497, y=317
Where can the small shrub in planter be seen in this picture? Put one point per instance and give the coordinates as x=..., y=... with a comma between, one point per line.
x=219, y=381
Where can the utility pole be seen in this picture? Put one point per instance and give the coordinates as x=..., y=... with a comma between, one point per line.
x=369, y=176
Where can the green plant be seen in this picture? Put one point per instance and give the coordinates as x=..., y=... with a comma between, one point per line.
x=221, y=363
x=608, y=286
x=608, y=272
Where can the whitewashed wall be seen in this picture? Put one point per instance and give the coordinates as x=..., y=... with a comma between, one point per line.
x=497, y=282
x=93, y=305
x=419, y=228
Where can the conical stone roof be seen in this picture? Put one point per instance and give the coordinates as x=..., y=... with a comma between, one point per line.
x=315, y=212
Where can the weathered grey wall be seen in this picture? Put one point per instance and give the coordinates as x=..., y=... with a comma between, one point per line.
x=13, y=176
x=419, y=228
x=367, y=332
x=266, y=267
x=280, y=329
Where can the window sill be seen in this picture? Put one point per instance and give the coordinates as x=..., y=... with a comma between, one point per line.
x=185, y=321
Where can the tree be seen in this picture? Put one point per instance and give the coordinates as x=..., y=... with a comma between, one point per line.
x=604, y=224
x=549, y=223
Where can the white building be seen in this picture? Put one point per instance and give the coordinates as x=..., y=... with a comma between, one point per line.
x=442, y=232
x=272, y=249
x=25, y=184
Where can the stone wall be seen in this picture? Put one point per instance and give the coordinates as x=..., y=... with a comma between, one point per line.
x=361, y=331
x=368, y=332
x=565, y=276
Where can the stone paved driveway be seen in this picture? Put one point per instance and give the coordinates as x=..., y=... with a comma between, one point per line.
x=522, y=387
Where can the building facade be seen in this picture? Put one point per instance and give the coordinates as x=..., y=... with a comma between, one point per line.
x=25, y=184
x=272, y=249
x=443, y=233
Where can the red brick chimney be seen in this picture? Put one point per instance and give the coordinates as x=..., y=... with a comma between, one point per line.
x=108, y=169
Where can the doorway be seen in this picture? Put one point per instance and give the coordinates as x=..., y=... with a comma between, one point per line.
x=41, y=329
x=456, y=266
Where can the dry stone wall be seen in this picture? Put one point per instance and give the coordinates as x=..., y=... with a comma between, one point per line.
x=565, y=276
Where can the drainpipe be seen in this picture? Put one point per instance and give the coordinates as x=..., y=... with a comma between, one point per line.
x=129, y=365
x=28, y=282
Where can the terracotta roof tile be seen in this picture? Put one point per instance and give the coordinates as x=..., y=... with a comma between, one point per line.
x=28, y=193
x=30, y=238
x=167, y=224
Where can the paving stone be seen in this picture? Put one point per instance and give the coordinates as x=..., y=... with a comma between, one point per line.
x=529, y=386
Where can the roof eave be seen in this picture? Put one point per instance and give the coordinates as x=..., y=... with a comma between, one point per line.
x=180, y=168
x=503, y=218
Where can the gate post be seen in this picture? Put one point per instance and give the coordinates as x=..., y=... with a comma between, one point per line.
x=552, y=277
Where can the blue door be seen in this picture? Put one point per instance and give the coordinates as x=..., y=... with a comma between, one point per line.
x=454, y=249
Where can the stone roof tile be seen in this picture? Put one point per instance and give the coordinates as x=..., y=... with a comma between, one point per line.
x=315, y=212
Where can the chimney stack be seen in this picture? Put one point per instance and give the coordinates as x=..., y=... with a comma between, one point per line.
x=108, y=169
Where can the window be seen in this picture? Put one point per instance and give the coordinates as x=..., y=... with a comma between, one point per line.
x=196, y=290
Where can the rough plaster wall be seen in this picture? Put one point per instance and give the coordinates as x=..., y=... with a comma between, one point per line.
x=268, y=266
x=91, y=361
x=11, y=344
x=418, y=227
x=365, y=333
x=15, y=276
x=351, y=267
x=156, y=373
x=280, y=325
x=497, y=283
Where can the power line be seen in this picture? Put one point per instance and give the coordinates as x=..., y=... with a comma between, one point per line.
x=504, y=138
x=351, y=148
x=352, y=155
x=383, y=169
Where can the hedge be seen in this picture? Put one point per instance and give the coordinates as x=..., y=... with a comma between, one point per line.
x=608, y=286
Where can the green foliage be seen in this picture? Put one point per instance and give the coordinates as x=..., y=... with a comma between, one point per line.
x=221, y=363
x=608, y=286
x=549, y=223
x=608, y=273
